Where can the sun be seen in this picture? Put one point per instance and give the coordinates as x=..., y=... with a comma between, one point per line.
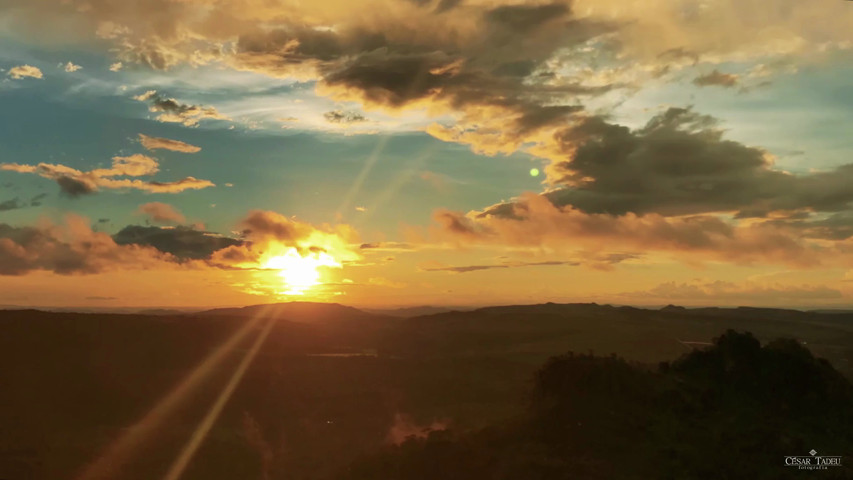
x=299, y=273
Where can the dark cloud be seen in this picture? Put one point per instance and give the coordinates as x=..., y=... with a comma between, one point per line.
x=447, y=5
x=15, y=203
x=171, y=110
x=262, y=224
x=36, y=200
x=474, y=268
x=12, y=204
x=344, y=117
x=679, y=164
x=74, y=188
x=523, y=18
x=67, y=249
x=519, y=68
x=395, y=79
x=716, y=78
x=387, y=246
x=184, y=243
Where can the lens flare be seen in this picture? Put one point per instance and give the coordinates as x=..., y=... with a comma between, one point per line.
x=299, y=273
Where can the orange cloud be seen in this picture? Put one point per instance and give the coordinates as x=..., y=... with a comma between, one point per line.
x=73, y=182
x=70, y=248
x=534, y=221
x=161, y=213
x=155, y=143
x=269, y=234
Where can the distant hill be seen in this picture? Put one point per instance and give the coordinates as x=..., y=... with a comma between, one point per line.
x=162, y=311
x=406, y=312
x=640, y=334
x=303, y=312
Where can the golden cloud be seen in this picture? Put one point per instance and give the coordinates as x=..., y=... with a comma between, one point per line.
x=73, y=182
x=24, y=71
x=155, y=143
x=161, y=213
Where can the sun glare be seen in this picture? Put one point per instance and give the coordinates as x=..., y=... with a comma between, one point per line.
x=300, y=273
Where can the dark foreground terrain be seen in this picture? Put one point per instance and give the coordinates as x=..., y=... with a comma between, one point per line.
x=335, y=392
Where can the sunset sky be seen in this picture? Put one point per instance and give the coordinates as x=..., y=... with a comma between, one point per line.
x=192, y=153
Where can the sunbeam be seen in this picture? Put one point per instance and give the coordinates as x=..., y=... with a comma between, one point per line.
x=362, y=175
x=209, y=420
x=108, y=464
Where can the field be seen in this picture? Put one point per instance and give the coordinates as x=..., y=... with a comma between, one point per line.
x=108, y=395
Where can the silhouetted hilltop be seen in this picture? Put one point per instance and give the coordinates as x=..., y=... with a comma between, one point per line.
x=407, y=312
x=307, y=312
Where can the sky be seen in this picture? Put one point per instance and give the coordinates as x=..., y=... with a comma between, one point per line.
x=382, y=153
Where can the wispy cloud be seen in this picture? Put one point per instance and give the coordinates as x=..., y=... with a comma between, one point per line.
x=71, y=67
x=173, y=111
x=155, y=143
x=73, y=182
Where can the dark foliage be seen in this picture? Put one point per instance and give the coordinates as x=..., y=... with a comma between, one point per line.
x=733, y=410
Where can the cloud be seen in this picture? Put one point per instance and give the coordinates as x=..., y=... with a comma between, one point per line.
x=501, y=75
x=114, y=67
x=36, y=200
x=74, y=183
x=553, y=43
x=268, y=234
x=75, y=248
x=184, y=243
x=173, y=111
x=187, y=183
x=161, y=213
x=69, y=249
x=12, y=204
x=716, y=78
x=508, y=76
x=73, y=187
x=16, y=203
x=474, y=268
x=680, y=164
x=344, y=117
x=25, y=71
x=534, y=221
x=154, y=143
x=388, y=246
x=721, y=291
x=70, y=67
